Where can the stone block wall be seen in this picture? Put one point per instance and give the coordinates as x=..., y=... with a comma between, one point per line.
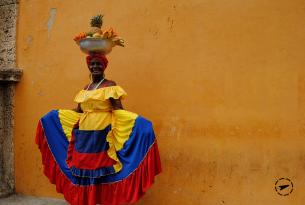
x=9, y=75
x=8, y=18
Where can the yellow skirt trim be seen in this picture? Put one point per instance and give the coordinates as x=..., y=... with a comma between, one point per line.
x=68, y=118
x=122, y=124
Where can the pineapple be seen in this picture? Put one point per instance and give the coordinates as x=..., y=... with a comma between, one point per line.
x=96, y=24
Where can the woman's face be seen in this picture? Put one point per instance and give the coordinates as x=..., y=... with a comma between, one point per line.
x=96, y=67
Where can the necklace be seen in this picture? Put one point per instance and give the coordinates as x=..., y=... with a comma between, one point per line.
x=86, y=93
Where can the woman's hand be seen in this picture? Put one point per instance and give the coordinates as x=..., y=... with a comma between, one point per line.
x=78, y=109
x=116, y=104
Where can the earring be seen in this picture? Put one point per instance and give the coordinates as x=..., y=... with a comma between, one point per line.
x=90, y=77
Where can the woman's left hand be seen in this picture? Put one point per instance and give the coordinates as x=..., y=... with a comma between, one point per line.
x=116, y=104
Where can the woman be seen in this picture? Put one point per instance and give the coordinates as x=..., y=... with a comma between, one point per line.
x=98, y=153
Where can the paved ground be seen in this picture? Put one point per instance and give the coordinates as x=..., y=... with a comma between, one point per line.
x=28, y=200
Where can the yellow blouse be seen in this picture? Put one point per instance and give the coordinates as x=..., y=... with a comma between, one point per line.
x=98, y=114
x=97, y=107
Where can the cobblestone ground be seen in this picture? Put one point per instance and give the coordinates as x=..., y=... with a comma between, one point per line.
x=29, y=200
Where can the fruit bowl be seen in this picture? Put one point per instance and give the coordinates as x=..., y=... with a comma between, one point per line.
x=96, y=45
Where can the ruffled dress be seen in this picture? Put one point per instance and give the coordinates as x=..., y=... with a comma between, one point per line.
x=101, y=156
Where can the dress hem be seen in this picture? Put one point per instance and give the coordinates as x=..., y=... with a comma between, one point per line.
x=133, y=186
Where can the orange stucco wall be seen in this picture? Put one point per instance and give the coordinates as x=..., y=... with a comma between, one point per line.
x=222, y=81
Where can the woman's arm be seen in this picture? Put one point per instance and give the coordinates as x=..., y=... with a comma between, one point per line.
x=116, y=104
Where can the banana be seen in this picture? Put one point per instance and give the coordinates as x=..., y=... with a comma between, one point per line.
x=106, y=34
x=96, y=35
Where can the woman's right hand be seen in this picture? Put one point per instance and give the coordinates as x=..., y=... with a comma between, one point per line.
x=78, y=109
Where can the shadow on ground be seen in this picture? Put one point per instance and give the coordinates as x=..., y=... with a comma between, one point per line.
x=29, y=200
